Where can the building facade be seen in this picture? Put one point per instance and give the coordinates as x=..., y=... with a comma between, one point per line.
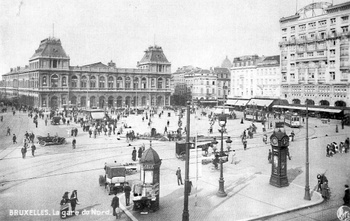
x=223, y=82
x=50, y=82
x=267, y=82
x=315, y=62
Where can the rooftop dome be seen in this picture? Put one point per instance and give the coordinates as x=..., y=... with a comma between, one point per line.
x=226, y=63
x=150, y=156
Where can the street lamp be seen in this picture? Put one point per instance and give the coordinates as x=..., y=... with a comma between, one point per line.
x=307, y=186
x=222, y=156
x=185, y=213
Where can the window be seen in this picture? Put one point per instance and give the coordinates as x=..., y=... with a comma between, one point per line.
x=93, y=82
x=110, y=82
x=310, y=54
x=302, y=27
x=345, y=29
x=302, y=37
x=292, y=76
x=43, y=102
x=312, y=24
x=102, y=82
x=320, y=53
x=136, y=83
x=213, y=83
x=322, y=35
x=64, y=81
x=331, y=64
x=143, y=83
x=332, y=51
x=152, y=83
x=292, y=29
x=54, y=63
x=284, y=30
x=119, y=82
x=128, y=83
x=74, y=81
x=83, y=82
x=292, y=56
x=322, y=23
x=292, y=65
x=345, y=18
x=284, y=38
x=333, y=20
x=312, y=35
x=44, y=81
x=160, y=83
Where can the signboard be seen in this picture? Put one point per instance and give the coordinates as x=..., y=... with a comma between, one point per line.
x=195, y=163
x=279, y=124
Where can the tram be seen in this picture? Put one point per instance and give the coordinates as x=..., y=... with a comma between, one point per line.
x=292, y=119
x=254, y=115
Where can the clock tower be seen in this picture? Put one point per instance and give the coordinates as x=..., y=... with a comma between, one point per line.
x=279, y=143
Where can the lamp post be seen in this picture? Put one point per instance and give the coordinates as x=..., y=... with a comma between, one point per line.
x=222, y=123
x=307, y=187
x=185, y=214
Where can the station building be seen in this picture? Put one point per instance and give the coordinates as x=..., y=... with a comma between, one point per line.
x=49, y=82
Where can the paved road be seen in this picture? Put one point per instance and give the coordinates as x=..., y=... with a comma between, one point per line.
x=39, y=182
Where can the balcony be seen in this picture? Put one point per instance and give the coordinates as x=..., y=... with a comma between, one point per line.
x=321, y=80
x=311, y=80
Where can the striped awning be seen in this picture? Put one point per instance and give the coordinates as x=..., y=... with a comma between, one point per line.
x=318, y=109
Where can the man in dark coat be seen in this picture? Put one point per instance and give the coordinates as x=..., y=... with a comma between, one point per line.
x=74, y=200
x=178, y=174
x=14, y=139
x=127, y=190
x=33, y=149
x=134, y=154
x=140, y=151
x=115, y=205
x=24, y=151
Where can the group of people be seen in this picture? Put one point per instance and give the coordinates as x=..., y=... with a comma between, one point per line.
x=68, y=204
x=138, y=153
x=334, y=148
x=28, y=142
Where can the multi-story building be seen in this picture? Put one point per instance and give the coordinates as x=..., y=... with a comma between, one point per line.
x=223, y=82
x=50, y=82
x=203, y=84
x=178, y=82
x=315, y=62
x=243, y=71
x=267, y=82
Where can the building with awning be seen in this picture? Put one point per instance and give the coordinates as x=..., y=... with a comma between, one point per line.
x=241, y=102
x=313, y=108
x=260, y=102
x=231, y=102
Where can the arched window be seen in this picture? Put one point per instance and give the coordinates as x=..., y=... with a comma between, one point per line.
x=64, y=81
x=54, y=80
x=110, y=82
x=119, y=82
x=160, y=83
x=44, y=81
x=143, y=83
x=153, y=83
x=136, y=83
x=127, y=83
x=83, y=82
x=93, y=82
x=74, y=81
x=102, y=82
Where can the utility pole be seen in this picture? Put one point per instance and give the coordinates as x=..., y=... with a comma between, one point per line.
x=307, y=187
x=185, y=214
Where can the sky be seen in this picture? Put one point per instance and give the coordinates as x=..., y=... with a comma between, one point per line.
x=200, y=33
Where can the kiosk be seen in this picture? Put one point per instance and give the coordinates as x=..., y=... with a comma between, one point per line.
x=146, y=192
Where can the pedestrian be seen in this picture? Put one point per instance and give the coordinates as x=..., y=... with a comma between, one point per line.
x=24, y=151
x=233, y=157
x=127, y=190
x=292, y=134
x=134, y=154
x=165, y=130
x=115, y=206
x=167, y=123
x=178, y=175
x=14, y=139
x=74, y=201
x=8, y=131
x=265, y=138
x=325, y=190
x=90, y=132
x=346, y=197
x=33, y=149
x=288, y=155
x=214, y=144
x=336, y=128
x=269, y=157
x=189, y=187
x=140, y=151
x=64, y=205
x=245, y=143
x=74, y=142
x=242, y=121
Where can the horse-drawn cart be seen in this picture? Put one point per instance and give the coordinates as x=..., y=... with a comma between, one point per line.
x=180, y=149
